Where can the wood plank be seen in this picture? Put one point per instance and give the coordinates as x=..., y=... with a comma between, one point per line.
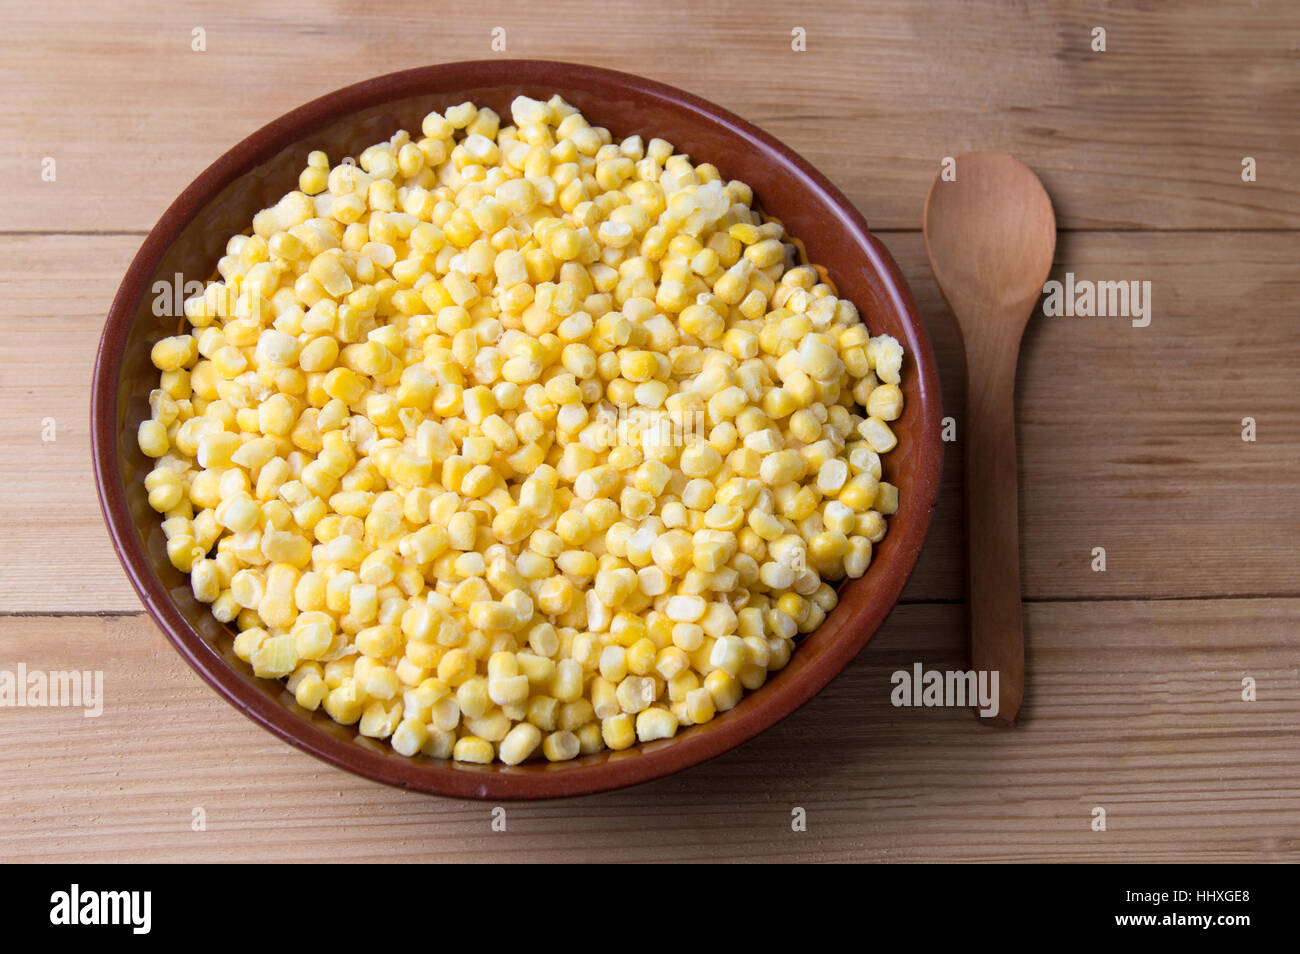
x=1130, y=437
x=55, y=554
x=1150, y=133
x=1132, y=707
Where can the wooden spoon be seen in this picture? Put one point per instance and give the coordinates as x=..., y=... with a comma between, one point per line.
x=990, y=235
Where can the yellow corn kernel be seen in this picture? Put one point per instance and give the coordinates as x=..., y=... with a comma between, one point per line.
x=857, y=558
x=410, y=736
x=700, y=707
x=723, y=689
x=878, y=434
x=634, y=693
x=519, y=743
x=618, y=731
x=470, y=748
x=655, y=723
x=172, y=354
x=275, y=658
x=561, y=746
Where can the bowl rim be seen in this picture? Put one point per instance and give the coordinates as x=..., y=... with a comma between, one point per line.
x=496, y=782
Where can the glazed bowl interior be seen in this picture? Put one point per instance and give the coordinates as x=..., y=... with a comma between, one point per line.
x=191, y=236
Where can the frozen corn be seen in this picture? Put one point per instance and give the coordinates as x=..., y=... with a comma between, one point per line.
x=509, y=441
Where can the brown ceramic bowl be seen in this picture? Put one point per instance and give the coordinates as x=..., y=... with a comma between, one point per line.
x=190, y=238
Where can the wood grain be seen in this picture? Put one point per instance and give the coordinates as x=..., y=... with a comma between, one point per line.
x=1130, y=437
x=1132, y=707
x=1150, y=133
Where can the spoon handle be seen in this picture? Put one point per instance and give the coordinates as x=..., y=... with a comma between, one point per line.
x=993, y=529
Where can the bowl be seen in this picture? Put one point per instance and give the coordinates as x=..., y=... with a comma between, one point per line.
x=191, y=235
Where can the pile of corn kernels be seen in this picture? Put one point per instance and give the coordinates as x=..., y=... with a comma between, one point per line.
x=512, y=441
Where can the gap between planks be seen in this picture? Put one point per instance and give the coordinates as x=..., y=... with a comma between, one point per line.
x=137, y=233
x=117, y=614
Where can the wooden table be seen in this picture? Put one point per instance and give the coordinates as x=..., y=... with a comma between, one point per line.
x=1131, y=437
